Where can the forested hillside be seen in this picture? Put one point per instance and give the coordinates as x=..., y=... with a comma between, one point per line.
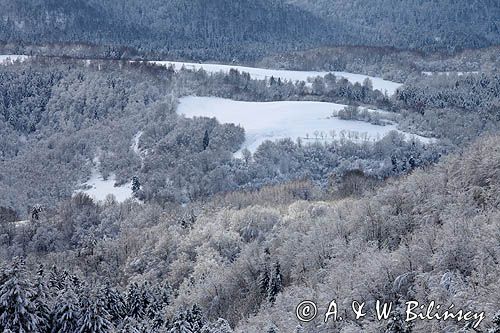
x=204, y=166
x=422, y=25
x=244, y=30
x=59, y=122
x=251, y=257
x=197, y=29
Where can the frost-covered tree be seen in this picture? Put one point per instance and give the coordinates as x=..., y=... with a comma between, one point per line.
x=18, y=310
x=220, y=326
x=135, y=302
x=94, y=318
x=66, y=313
x=181, y=323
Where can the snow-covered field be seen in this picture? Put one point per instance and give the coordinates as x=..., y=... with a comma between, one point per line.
x=263, y=73
x=9, y=58
x=310, y=121
x=99, y=188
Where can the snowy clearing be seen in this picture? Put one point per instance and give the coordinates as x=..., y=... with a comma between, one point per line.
x=310, y=121
x=98, y=188
x=263, y=73
x=10, y=58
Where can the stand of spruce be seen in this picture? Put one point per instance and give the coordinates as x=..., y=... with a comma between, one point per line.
x=56, y=301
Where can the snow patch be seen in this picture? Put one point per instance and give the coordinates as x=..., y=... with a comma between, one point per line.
x=8, y=59
x=450, y=73
x=99, y=188
x=19, y=224
x=135, y=143
x=135, y=146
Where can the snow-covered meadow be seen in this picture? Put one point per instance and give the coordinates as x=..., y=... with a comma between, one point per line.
x=99, y=188
x=263, y=73
x=310, y=121
x=6, y=59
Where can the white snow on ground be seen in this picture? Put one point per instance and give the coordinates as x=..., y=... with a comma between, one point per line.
x=135, y=146
x=10, y=58
x=262, y=73
x=135, y=143
x=310, y=121
x=449, y=73
x=19, y=224
x=98, y=188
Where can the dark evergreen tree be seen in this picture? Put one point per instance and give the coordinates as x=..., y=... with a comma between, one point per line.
x=57, y=279
x=264, y=281
x=397, y=322
x=195, y=318
x=276, y=285
x=206, y=140
x=135, y=304
x=42, y=300
x=496, y=324
x=114, y=303
x=136, y=185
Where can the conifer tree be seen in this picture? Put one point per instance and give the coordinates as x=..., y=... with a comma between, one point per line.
x=496, y=324
x=94, y=317
x=276, y=285
x=136, y=185
x=206, y=140
x=181, y=324
x=66, y=313
x=135, y=302
x=18, y=311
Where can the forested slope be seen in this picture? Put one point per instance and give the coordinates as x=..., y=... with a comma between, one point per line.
x=219, y=29
x=251, y=257
x=415, y=24
x=246, y=30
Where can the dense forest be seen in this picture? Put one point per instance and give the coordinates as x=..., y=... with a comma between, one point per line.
x=212, y=243
x=245, y=30
x=422, y=25
x=220, y=29
x=92, y=267
x=390, y=196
